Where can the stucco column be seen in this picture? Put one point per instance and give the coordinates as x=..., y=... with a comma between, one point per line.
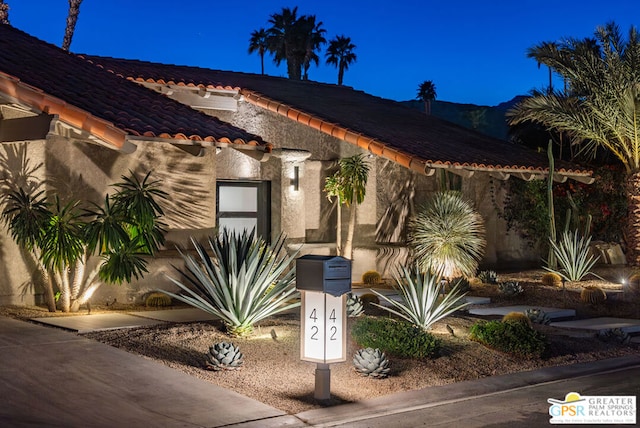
x=292, y=192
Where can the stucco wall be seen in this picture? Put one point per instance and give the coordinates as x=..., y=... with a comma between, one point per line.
x=83, y=171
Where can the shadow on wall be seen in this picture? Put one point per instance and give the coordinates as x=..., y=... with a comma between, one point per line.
x=392, y=226
x=18, y=172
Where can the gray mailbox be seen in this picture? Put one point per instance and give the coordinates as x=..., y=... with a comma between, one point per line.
x=326, y=274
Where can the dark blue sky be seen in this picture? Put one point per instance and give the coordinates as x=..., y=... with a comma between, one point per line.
x=474, y=51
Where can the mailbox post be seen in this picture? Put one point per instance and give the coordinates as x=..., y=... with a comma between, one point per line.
x=323, y=282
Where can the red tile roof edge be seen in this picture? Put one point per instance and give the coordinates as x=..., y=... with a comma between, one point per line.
x=67, y=113
x=378, y=147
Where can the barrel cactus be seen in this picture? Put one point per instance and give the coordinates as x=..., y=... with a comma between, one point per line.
x=224, y=356
x=355, y=307
x=538, y=316
x=462, y=283
x=371, y=363
x=157, y=300
x=551, y=279
x=371, y=277
x=519, y=317
x=593, y=295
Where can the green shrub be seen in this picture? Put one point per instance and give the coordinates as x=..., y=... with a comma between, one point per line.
x=511, y=337
x=395, y=337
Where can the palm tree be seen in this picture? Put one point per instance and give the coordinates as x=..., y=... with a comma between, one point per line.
x=72, y=19
x=314, y=39
x=259, y=43
x=295, y=40
x=427, y=93
x=600, y=107
x=340, y=53
x=348, y=184
x=4, y=12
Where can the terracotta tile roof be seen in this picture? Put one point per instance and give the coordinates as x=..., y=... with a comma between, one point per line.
x=51, y=80
x=382, y=126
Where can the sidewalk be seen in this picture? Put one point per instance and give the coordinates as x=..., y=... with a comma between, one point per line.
x=55, y=378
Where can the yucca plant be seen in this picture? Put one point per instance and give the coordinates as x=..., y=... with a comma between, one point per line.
x=447, y=235
x=421, y=302
x=245, y=281
x=572, y=254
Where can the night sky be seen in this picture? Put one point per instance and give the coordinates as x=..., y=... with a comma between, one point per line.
x=473, y=51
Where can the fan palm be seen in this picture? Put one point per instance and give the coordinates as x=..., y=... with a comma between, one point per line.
x=447, y=236
x=340, y=53
x=72, y=19
x=599, y=109
x=295, y=40
x=427, y=93
x=258, y=42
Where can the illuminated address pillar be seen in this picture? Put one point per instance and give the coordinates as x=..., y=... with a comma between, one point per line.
x=323, y=282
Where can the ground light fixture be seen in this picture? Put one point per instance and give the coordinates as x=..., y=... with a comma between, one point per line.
x=323, y=282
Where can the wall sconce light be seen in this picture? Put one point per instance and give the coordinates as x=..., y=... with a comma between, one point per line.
x=296, y=178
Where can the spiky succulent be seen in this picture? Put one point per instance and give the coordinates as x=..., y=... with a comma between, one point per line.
x=371, y=363
x=537, y=316
x=462, y=283
x=224, y=356
x=488, y=277
x=355, y=307
x=510, y=288
x=616, y=335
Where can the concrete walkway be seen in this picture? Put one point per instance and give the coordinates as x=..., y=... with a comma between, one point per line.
x=54, y=378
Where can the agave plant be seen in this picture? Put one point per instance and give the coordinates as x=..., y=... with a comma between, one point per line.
x=421, y=302
x=355, y=306
x=447, y=234
x=224, y=356
x=572, y=254
x=371, y=363
x=244, y=282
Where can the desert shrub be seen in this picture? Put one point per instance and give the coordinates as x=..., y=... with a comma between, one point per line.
x=520, y=317
x=421, y=303
x=371, y=277
x=157, y=300
x=244, y=281
x=447, y=234
x=488, y=277
x=551, y=279
x=593, y=295
x=395, y=337
x=511, y=337
x=510, y=288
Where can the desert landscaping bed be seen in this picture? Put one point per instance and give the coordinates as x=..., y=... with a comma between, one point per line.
x=273, y=373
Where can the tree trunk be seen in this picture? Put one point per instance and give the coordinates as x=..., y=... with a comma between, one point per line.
x=65, y=290
x=4, y=12
x=632, y=188
x=72, y=19
x=49, y=295
x=339, y=227
x=348, y=245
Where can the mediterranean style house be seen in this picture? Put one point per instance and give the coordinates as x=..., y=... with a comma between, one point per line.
x=239, y=151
